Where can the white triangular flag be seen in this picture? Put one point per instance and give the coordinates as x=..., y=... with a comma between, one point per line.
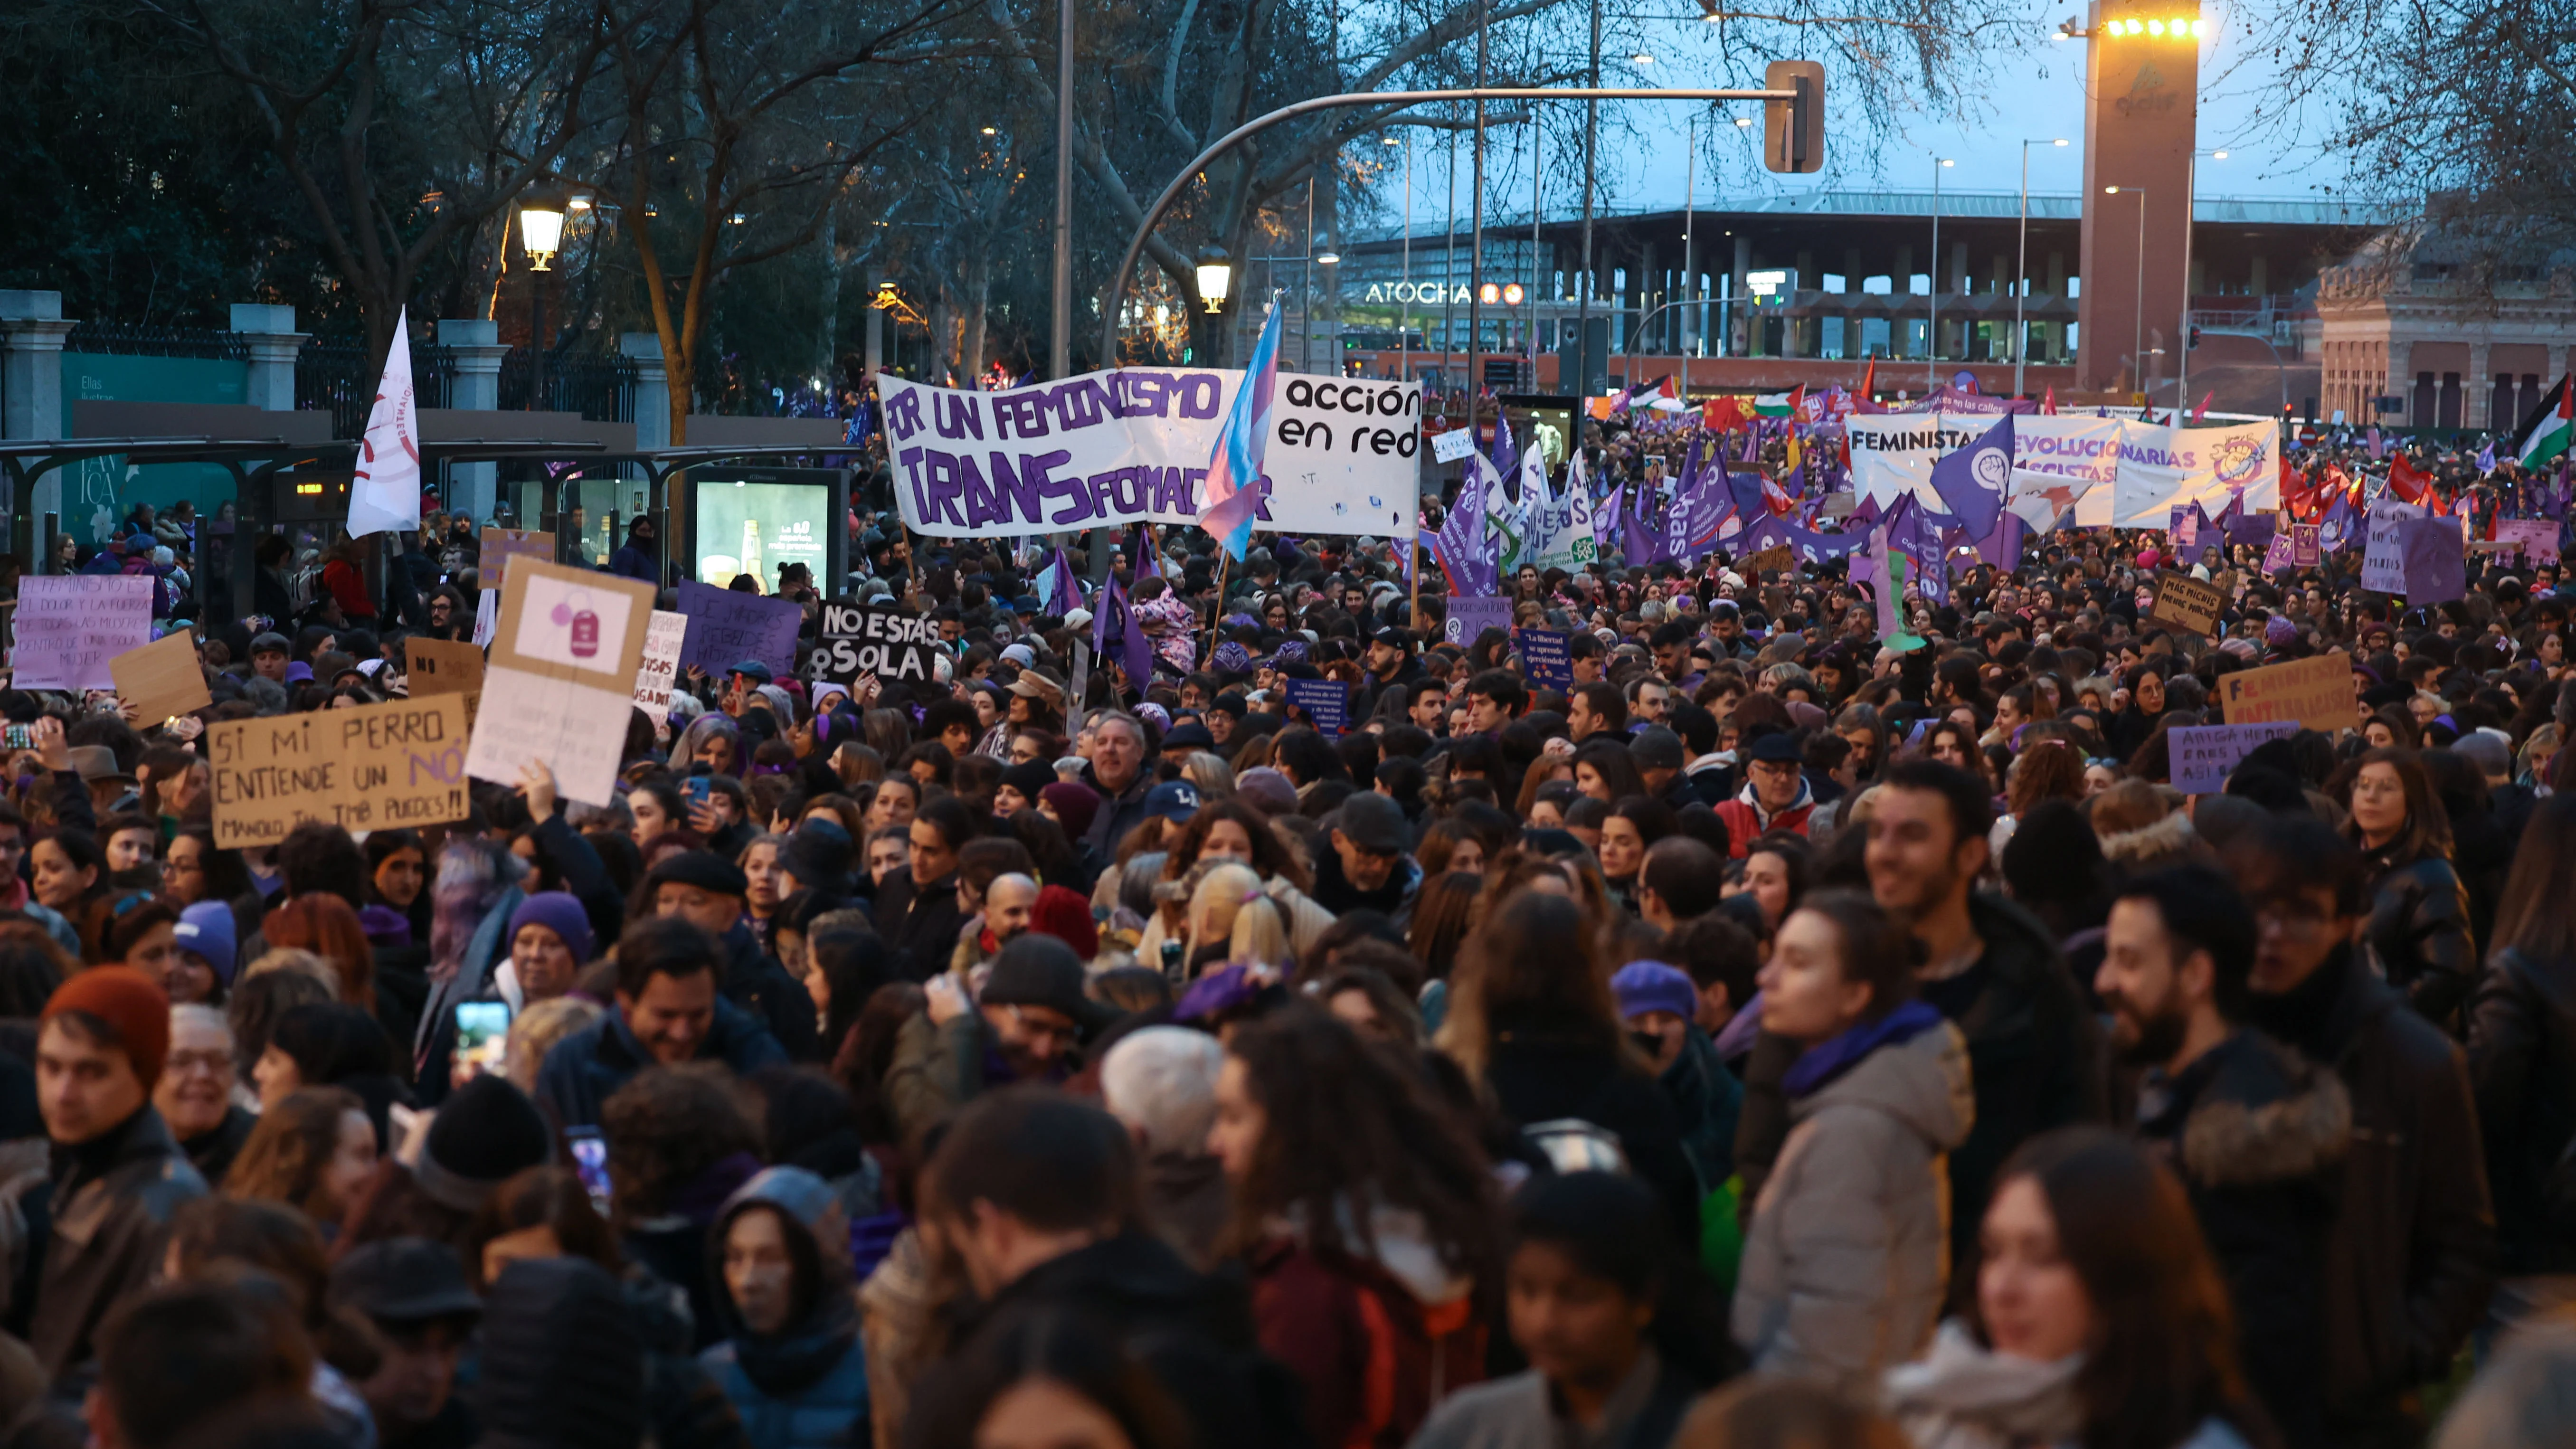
x=385, y=494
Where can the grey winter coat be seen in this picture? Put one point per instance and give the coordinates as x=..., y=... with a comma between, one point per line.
x=1847, y=1256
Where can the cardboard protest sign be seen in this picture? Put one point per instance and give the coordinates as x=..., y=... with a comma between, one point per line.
x=1775, y=559
x=2316, y=693
x=2277, y=555
x=889, y=644
x=500, y=545
x=661, y=667
x=1547, y=657
x=70, y=625
x=1327, y=703
x=1450, y=446
x=1108, y=449
x=372, y=767
x=442, y=666
x=2186, y=603
x=2435, y=564
x=1470, y=617
x=2184, y=526
x=2203, y=756
x=560, y=685
x=2305, y=547
x=162, y=679
x=2383, y=557
x=726, y=628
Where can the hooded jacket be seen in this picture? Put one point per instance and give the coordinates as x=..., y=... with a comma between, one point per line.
x=1844, y=1266
x=806, y=1386
x=919, y=922
x=2258, y=1135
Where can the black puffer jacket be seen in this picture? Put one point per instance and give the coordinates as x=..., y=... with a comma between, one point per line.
x=1544, y=1071
x=2258, y=1135
x=2419, y=935
x=2522, y=1063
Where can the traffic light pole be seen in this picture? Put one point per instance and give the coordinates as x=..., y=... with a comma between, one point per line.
x=1782, y=108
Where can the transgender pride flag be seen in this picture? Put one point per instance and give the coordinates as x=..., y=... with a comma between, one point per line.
x=1235, y=487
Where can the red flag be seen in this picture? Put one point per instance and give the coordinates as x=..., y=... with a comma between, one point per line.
x=1868, y=375
x=1798, y=401
x=1721, y=414
x=2405, y=481
x=2048, y=404
x=2202, y=411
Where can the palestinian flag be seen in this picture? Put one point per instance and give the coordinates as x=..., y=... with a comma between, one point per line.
x=1780, y=404
x=2542, y=438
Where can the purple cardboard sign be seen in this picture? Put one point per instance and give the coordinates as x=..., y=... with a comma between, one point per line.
x=726, y=628
x=1470, y=616
x=2305, y=550
x=2204, y=755
x=2436, y=563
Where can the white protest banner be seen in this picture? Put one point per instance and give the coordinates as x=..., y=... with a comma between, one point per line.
x=661, y=667
x=1892, y=453
x=1560, y=535
x=1111, y=448
x=1452, y=445
x=2163, y=468
x=70, y=625
x=560, y=686
x=2383, y=557
x=2079, y=449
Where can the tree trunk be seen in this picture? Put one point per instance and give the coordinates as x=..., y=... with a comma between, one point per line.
x=827, y=341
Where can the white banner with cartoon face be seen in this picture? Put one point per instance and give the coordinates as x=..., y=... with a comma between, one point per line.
x=1132, y=445
x=2161, y=469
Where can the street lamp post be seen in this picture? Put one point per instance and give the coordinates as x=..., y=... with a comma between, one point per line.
x=2190, y=195
x=2021, y=283
x=1060, y=300
x=1932, y=330
x=2138, y=342
x=1404, y=288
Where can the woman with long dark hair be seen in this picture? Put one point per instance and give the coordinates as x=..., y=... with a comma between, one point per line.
x=1530, y=1015
x=2419, y=911
x=2100, y=1319
x=1365, y=1213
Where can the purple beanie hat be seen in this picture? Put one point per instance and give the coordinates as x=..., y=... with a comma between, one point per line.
x=559, y=912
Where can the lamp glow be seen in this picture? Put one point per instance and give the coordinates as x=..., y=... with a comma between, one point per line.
x=1215, y=276
x=541, y=232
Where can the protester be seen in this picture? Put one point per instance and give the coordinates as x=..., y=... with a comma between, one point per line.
x=1843, y=1261
x=2098, y=1317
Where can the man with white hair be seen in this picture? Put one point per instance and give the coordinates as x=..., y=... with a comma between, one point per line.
x=1161, y=1082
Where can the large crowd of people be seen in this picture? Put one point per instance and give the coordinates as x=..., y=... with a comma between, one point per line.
x=1766, y=1038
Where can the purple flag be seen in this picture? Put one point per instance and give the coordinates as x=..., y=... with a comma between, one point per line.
x=1116, y=628
x=1974, y=479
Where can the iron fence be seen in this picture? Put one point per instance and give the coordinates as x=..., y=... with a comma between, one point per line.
x=130, y=339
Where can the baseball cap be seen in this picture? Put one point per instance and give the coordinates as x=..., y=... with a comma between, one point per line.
x=1174, y=800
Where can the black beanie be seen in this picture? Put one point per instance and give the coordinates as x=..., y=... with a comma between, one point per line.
x=704, y=869
x=1030, y=778
x=486, y=1133
x=818, y=855
x=1037, y=970
x=563, y=1367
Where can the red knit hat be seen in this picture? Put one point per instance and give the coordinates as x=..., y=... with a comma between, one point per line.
x=132, y=1004
x=1064, y=914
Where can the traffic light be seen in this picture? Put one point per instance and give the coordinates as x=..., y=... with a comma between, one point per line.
x=1793, y=131
x=2195, y=334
